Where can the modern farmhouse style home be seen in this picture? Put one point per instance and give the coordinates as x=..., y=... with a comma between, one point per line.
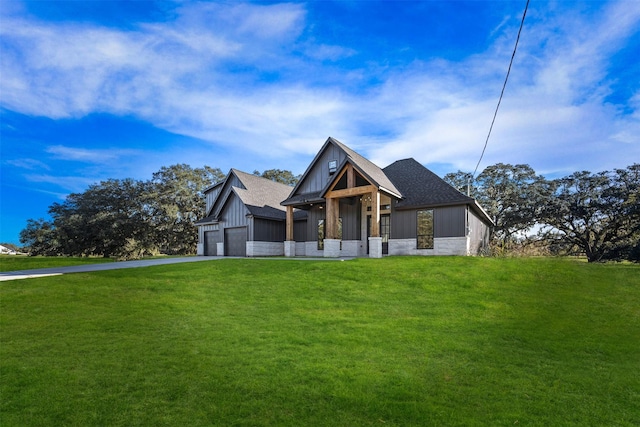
x=344, y=205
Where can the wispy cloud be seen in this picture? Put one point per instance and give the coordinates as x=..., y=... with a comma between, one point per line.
x=61, y=152
x=70, y=183
x=232, y=74
x=29, y=164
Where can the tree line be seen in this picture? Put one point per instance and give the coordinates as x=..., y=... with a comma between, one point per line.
x=129, y=219
x=594, y=214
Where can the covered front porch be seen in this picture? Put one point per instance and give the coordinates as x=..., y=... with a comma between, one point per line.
x=351, y=207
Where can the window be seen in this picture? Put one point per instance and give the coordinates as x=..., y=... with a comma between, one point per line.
x=321, y=236
x=333, y=166
x=425, y=229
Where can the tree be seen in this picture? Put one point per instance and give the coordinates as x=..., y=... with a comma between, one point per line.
x=178, y=201
x=463, y=182
x=512, y=196
x=597, y=213
x=104, y=220
x=40, y=238
x=282, y=176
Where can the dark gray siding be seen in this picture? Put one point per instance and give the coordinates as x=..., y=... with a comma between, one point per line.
x=268, y=231
x=318, y=177
x=314, y=214
x=403, y=224
x=350, y=212
x=234, y=213
x=449, y=221
x=233, y=181
x=300, y=231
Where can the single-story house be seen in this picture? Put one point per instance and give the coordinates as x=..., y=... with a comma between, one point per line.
x=343, y=205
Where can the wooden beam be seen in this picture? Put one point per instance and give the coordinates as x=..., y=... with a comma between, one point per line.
x=289, y=223
x=350, y=192
x=351, y=176
x=375, y=213
x=331, y=220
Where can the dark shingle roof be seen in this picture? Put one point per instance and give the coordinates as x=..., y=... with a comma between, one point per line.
x=421, y=187
x=262, y=196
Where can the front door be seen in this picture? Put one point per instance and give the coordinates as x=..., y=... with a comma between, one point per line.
x=385, y=230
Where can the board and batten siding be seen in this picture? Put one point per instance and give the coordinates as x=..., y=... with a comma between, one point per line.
x=234, y=213
x=300, y=230
x=351, y=213
x=264, y=230
x=479, y=234
x=319, y=176
x=211, y=196
x=448, y=221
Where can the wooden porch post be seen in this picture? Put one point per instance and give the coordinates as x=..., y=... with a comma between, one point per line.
x=289, y=231
x=375, y=214
x=331, y=222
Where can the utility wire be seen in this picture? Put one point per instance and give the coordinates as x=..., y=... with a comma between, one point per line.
x=503, y=88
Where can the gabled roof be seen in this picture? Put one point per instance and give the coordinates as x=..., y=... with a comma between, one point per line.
x=423, y=188
x=372, y=172
x=260, y=196
x=368, y=169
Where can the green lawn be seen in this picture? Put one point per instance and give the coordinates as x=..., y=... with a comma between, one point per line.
x=23, y=262
x=440, y=341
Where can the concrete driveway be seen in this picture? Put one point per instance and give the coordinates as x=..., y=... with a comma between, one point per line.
x=56, y=271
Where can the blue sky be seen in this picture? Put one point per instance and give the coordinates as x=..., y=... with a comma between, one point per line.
x=106, y=89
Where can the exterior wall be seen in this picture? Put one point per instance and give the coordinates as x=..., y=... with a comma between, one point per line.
x=300, y=230
x=451, y=246
x=479, y=234
x=350, y=212
x=319, y=175
x=301, y=249
x=311, y=249
x=404, y=225
x=314, y=214
x=264, y=230
x=449, y=221
x=265, y=249
x=234, y=213
x=352, y=248
x=441, y=246
x=212, y=195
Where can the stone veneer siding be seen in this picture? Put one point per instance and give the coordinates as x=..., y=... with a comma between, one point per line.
x=442, y=246
x=265, y=249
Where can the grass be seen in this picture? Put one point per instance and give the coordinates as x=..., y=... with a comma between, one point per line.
x=394, y=342
x=23, y=262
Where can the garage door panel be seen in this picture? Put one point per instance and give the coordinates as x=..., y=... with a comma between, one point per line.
x=211, y=239
x=235, y=241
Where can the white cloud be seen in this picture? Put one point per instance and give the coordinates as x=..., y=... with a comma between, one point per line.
x=202, y=75
x=84, y=155
x=71, y=183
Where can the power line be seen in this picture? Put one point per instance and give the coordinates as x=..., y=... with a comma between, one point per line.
x=503, y=88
